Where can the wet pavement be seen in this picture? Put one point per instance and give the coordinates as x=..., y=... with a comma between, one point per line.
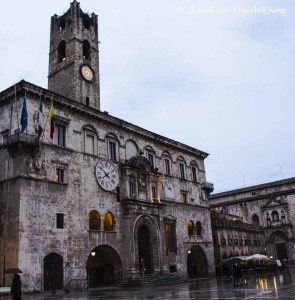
x=279, y=285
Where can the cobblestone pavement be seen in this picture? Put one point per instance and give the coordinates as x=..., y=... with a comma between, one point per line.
x=279, y=285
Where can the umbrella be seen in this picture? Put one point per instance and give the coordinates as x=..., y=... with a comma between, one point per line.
x=13, y=271
x=234, y=259
x=258, y=257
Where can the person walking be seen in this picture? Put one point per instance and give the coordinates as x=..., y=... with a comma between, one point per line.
x=16, y=288
x=240, y=276
x=235, y=275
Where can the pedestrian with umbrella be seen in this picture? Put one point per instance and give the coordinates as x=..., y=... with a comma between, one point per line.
x=16, y=287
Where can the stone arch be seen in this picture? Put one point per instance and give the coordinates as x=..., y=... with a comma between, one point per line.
x=197, y=263
x=152, y=229
x=255, y=219
x=104, y=267
x=279, y=240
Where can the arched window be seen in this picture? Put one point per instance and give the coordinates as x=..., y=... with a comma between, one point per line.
x=190, y=227
x=61, y=51
x=151, y=155
x=167, y=164
x=275, y=215
x=86, y=49
x=194, y=171
x=131, y=149
x=181, y=167
x=199, y=228
x=255, y=219
x=108, y=221
x=94, y=220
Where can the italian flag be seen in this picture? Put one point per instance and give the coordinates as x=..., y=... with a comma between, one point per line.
x=51, y=121
x=40, y=127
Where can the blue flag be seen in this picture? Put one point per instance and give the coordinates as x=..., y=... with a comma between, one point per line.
x=24, y=116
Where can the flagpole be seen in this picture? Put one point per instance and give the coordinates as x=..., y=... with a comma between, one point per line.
x=47, y=118
x=17, y=116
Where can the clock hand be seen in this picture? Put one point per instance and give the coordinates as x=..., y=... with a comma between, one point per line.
x=106, y=175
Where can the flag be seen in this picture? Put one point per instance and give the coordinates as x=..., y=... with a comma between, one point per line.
x=24, y=116
x=40, y=127
x=51, y=121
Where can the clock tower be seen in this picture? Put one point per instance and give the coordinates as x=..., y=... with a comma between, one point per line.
x=74, y=56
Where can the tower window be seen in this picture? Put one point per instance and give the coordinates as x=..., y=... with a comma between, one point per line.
x=87, y=101
x=61, y=51
x=86, y=49
x=62, y=24
x=86, y=23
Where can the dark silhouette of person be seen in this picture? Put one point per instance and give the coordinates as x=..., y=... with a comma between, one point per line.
x=235, y=275
x=16, y=288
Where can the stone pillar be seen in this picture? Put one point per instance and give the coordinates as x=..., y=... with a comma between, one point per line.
x=132, y=269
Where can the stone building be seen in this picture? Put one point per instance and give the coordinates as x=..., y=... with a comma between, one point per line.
x=104, y=201
x=256, y=219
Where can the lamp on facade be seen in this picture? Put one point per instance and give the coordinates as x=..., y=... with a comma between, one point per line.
x=93, y=253
x=189, y=251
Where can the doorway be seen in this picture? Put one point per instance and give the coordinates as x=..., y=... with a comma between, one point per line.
x=144, y=250
x=53, y=272
x=281, y=251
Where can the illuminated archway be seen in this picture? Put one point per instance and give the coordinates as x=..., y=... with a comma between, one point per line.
x=104, y=267
x=197, y=264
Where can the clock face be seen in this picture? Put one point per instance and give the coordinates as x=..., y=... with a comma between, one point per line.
x=87, y=73
x=107, y=175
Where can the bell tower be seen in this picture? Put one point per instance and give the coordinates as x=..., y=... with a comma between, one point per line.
x=74, y=56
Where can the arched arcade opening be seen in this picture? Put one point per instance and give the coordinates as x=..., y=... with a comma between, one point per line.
x=103, y=267
x=279, y=239
x=197, y=264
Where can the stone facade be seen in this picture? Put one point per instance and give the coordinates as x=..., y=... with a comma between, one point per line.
x=58, y=224
x=262, y=215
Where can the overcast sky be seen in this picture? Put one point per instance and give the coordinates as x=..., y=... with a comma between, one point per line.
x=220, y=80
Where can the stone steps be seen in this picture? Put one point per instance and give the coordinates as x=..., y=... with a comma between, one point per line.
x=156, y=280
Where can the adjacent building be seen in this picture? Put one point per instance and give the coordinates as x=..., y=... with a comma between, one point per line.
x=256, y=219
x=103, y=201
